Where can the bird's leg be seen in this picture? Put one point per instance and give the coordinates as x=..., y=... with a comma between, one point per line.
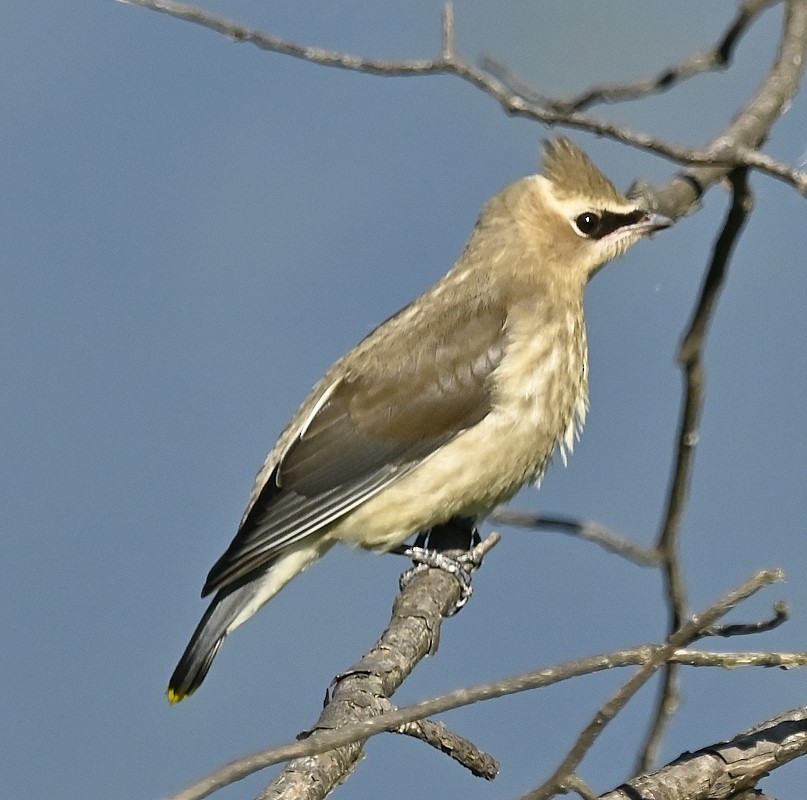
x=431, y=551
x=459, y=533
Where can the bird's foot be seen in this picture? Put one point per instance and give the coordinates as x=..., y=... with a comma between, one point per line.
x=429, y=552
x=433, y=559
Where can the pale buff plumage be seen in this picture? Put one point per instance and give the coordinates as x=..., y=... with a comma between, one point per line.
x=528, y=260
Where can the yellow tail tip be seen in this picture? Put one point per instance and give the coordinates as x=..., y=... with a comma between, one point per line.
x=174, y=696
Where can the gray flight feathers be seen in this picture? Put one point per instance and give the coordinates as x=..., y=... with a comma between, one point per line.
x=375, y=425
x=208, y=637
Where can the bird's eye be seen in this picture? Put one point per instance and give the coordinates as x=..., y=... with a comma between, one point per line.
x=587, y=223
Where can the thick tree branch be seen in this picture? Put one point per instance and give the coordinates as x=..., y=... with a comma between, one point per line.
x=362, y=691
x=721, y=771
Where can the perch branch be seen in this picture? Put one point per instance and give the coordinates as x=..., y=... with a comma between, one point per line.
x=323, y=740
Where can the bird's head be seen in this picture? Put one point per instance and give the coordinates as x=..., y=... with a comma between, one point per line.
x=572, y=217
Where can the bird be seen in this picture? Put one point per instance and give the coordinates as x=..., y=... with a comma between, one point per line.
x=443, y=411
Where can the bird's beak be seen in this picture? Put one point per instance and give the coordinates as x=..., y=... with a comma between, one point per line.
x=647, y=224
x=652, y=222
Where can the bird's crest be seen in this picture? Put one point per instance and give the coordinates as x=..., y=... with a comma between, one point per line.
x=573, y=174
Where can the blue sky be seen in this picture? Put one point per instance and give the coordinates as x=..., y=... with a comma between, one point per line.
x=194, y=230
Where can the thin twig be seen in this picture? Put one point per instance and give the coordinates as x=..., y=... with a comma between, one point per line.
x=701, y=658
x=690, y=357
x=581, y=529
x=687, y=633
x=449, y=44
x=739, y=150
x=781, y=613
x=718, y=56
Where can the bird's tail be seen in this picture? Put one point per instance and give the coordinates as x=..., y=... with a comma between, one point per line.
x=205, y=642
x=231, y=607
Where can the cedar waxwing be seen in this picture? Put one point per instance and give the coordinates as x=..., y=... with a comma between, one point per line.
x=443, y=411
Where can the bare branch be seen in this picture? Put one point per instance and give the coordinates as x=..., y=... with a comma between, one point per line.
x=781, y=613
x=574, y=783
x=687, y=633
x=581, y=529
x=690, y=357
x=276, y=44
x=323, y=740
x=463, y=751
x=722, y=771
x=449, y=44
x=751, y=126
x=699, y=658
x=691, y=350
x=361, y=691
x=736, y=148
x=716, y=57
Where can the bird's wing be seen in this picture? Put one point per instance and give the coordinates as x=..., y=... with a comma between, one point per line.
x=368, y=429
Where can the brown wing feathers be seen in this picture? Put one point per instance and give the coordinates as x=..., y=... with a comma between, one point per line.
x=374, y=428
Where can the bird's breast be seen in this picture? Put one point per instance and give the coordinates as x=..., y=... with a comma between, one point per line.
x=538, y=403
x=542, y=383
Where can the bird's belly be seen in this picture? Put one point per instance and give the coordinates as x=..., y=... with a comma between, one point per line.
x=476, y=471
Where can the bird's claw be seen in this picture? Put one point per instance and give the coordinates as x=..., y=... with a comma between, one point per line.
x=459, y=566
